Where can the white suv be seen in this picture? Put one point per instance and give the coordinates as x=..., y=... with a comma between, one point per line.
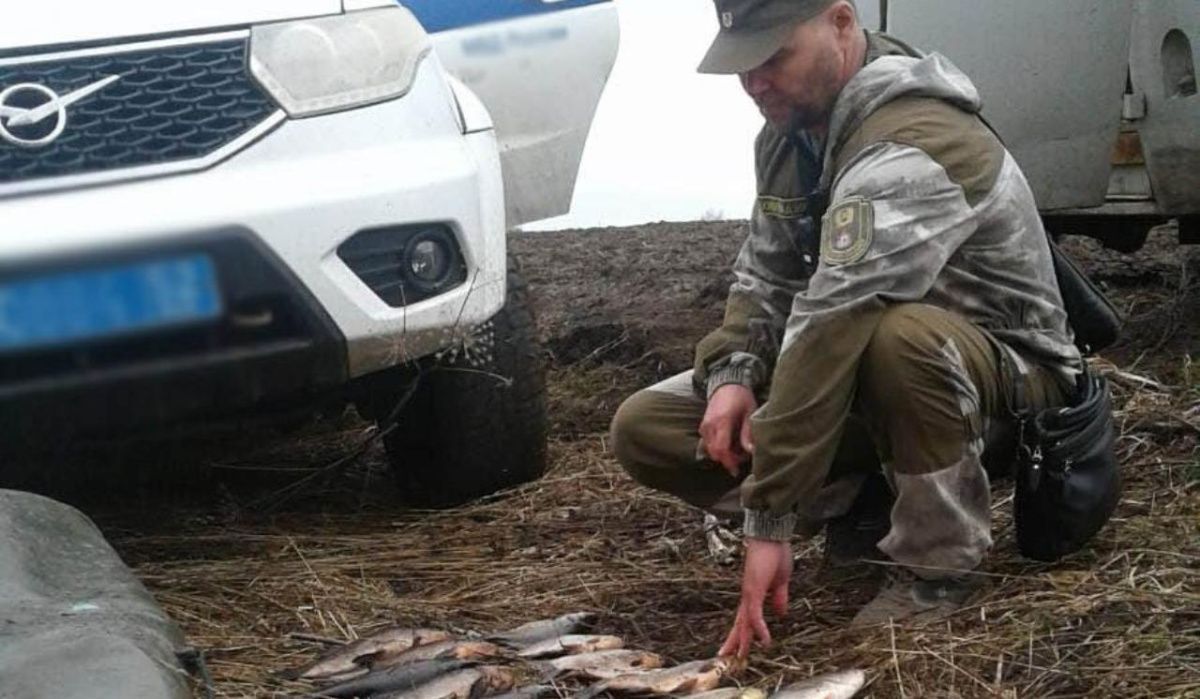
x=220, y=207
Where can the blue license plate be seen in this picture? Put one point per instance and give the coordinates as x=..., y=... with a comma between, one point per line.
x=100, y=303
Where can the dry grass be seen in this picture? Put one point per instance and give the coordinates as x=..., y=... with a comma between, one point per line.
x=1121, y=619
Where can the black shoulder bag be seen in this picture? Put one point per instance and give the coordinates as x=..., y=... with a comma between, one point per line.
x=1068, y=480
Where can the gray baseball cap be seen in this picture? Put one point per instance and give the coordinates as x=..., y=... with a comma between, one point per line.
x=751, y=31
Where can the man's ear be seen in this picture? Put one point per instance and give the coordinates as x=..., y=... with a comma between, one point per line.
x=844, y=17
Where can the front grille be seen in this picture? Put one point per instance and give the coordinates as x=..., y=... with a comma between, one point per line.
x=170, y=104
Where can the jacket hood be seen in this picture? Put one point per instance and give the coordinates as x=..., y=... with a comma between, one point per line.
x=891, y=77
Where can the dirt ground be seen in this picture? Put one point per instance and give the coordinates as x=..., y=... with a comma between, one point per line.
x=243, y=569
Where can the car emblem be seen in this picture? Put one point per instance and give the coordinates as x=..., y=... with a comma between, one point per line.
x=727, y=19
x=26, y=108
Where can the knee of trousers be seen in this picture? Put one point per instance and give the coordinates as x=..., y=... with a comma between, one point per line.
x=905, y=351
x=633, y=438
x=915, y=389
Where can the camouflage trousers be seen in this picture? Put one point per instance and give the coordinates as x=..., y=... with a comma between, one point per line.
x=931, y=412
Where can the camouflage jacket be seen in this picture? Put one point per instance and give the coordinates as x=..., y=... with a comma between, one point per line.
x=927, y=206
x=778, y=257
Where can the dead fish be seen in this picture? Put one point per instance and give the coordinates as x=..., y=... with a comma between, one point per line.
x=534, y=692
x=538, y=631
x=463, y=684
x=571, y=644
x=732, y=693
x=689, y=678
x=340, y=677
x=835, y=685
x=460, y=650
x=352, y=657
x=401, y=677
x=602, y=665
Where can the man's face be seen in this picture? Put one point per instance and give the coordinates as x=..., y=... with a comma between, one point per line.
x=797, y=87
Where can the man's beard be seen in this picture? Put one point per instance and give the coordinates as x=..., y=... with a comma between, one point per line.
x=817, y=114
x=804, y=119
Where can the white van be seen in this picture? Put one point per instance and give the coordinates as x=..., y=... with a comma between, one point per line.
x=1097, y=99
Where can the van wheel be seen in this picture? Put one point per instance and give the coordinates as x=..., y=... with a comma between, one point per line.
x=476, y=422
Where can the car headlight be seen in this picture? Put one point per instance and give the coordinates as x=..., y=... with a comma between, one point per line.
x=322, y=65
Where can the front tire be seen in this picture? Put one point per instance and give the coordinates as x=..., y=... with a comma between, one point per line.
x=476, y=422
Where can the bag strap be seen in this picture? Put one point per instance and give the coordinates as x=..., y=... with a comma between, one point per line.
x=1016, y=399
x=1017, y=403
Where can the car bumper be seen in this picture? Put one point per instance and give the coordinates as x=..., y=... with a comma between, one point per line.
x=145, y=380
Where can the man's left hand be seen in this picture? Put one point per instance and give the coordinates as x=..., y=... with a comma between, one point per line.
x=767, y=572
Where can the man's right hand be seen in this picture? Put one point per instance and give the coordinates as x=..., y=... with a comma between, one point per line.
x=765, y=575
x=725, y=429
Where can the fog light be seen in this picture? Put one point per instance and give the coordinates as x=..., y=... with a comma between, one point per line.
x=429, y=260
x=404, y=265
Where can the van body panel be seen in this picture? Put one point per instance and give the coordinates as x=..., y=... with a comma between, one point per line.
x=870, y=14
x=1051, y=75
x=1166, y=39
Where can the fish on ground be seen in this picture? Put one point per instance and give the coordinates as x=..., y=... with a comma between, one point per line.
x=835, y=685
x=469, y=683
x=538, y=631
x=536, y=691
x=571, y=644
x=460, y=650
x=354, y=657
x=400, y=677
x=358, y=671
x=601, y=665
x=732, y=693
x=688, y=678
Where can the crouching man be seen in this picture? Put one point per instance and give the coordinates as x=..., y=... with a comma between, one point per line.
x=880, y=333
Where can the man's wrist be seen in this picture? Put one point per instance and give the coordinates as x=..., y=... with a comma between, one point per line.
x=730, y=374
x=761, y=524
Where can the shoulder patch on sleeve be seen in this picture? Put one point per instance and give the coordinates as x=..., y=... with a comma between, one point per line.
x=847, y=231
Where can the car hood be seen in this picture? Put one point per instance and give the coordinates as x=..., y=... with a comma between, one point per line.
x=55, y=22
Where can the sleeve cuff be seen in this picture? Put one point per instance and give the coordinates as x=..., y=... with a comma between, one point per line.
x=760, y=524
x=742, y=375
